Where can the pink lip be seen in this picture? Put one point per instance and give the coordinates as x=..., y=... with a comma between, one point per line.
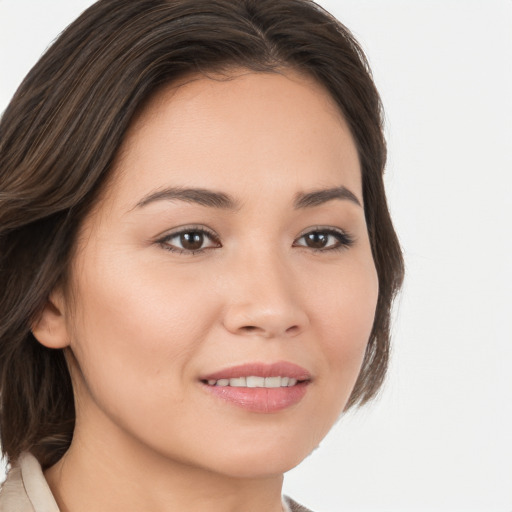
x=261, y=400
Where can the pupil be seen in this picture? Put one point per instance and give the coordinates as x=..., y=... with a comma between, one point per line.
x=316, y=240
x=192, y=241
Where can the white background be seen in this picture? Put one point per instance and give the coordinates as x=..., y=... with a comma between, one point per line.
x=440, y=436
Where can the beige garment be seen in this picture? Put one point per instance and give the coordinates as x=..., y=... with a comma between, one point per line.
x=26, y=490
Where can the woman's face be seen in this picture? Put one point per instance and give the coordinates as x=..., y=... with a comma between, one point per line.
x=231, y=244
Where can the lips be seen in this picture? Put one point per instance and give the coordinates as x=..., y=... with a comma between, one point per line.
x=258, y=387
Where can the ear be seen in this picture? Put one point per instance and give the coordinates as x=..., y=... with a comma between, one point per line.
x=50, y=327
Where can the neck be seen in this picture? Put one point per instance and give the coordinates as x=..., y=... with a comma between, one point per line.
x=110, y=471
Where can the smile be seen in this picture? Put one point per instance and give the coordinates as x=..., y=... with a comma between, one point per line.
x=258, y=387
x=255, y=382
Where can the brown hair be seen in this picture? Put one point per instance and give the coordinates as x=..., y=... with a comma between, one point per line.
x=62, y=129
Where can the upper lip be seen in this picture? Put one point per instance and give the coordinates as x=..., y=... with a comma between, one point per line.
x=278, y=369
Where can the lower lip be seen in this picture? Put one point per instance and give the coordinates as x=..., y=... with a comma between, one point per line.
x=262, y=400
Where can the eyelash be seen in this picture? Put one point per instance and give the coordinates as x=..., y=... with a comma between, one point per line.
x=344, y=240
x=164, y=242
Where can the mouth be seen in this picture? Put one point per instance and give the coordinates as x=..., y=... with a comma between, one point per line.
x=258, y=387
x=254, y=381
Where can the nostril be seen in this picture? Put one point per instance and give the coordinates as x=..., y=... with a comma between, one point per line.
x=293, y=330
x=250, y=329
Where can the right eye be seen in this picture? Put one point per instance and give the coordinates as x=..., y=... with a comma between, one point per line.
x=189, y=241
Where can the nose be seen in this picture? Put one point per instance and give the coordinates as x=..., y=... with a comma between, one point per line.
x=264, y=300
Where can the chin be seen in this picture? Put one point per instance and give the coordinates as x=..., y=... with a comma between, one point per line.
x=261, y=460
x=258, y=467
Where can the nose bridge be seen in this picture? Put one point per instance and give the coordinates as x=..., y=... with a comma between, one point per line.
x=265, y=299
x=269, y=277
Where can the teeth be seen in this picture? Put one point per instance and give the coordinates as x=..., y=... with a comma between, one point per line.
x=272, y=382
x=255, y=382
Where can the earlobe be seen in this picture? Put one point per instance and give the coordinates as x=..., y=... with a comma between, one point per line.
x=50, y=327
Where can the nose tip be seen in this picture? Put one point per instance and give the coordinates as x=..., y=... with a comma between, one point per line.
x=266, y=316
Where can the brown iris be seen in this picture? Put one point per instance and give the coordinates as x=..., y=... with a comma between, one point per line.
x=192, y=241
x=316, y=240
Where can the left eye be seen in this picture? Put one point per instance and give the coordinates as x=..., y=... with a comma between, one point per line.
x=191, y=240
x=325, y=239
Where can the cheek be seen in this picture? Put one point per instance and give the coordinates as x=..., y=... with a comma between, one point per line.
x=345, y=312
x=133, y=336
x=350, y=313
x=345, y=303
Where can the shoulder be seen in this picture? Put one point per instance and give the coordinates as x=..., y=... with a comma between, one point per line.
x=294, y=506
x=25, y=489
x=13, y=496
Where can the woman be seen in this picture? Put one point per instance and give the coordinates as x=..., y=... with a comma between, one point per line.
x=197, y=258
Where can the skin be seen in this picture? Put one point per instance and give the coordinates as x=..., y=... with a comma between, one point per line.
x=142, y=324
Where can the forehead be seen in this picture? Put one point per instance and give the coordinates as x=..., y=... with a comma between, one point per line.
x=248, y=131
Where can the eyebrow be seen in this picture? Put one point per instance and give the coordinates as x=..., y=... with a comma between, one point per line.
x=318, y=197
x=199, y=196
x=212, y=199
